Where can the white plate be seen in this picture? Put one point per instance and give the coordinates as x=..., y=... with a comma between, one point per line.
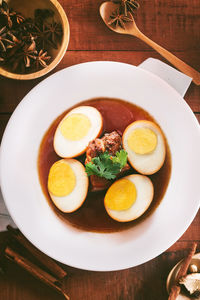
x=19, y=178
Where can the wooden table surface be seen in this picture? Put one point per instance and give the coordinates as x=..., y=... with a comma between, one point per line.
x=174, y=24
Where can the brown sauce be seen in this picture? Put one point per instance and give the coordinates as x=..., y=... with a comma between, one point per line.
x=92, y=216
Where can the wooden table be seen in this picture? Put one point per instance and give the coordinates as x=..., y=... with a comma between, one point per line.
x=175, y=25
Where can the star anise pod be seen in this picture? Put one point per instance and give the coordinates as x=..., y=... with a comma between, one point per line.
x=15, y=46
x=7, y=13
x=41, y=59
x=24, y=29
x=118, y=20
x=127, y=6
x=4, y=41
x=15, y=41
x=54, y=32
x=23, y=40
x=19, y=18
x=40, y=35
x=24, y=57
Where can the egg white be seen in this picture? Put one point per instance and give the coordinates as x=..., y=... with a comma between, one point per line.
x=67, y=148
x=75, y=199
x=144, y=197
x=149, y=163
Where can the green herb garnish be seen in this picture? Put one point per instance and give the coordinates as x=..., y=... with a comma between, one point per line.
x=121, y=158
x=107, y=166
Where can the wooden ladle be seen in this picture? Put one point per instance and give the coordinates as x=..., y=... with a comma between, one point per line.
x=106, y=10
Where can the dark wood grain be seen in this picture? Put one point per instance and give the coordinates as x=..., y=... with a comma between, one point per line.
x=198, y=117
x=144, y=282
x=173, y=24
x=12, y=91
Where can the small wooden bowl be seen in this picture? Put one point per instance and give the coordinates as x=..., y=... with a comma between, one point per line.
x=172, y=277
x=27, y=8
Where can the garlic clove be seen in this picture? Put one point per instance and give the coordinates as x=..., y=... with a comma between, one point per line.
x=191, y=282
x=193, y=268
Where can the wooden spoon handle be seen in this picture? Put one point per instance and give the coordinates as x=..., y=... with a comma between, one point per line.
x=178, y=63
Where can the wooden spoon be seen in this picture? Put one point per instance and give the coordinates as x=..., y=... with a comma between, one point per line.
x=106, y=10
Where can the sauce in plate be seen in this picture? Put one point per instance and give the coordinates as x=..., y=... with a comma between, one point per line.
x=92, y=216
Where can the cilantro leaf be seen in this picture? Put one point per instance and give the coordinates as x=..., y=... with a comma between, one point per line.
x=107, y=166
x=121, y=158
x=91, y=169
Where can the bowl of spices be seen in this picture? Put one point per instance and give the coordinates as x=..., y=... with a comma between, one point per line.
x=34, y=37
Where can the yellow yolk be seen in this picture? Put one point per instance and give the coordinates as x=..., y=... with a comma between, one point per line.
x=61, y=180
x=121, y=195
x=142, y=140
x=75, y=127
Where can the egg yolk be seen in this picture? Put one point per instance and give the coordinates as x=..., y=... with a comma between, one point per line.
x=142, y=140
x=121, y=195
x=75, y=127
x=61, y=180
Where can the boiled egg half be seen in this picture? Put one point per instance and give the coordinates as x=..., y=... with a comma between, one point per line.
x=145, y=145
x=80, y=126
x=67, y=184
x=128, y=198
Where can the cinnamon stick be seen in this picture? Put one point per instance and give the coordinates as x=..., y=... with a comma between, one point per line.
x=34, y=270
x=175, y=289
x=49, y=263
